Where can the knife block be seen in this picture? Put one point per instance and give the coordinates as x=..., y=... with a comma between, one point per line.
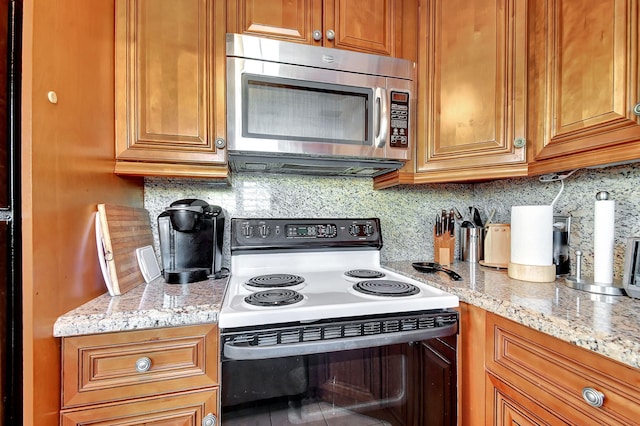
x=443, y=248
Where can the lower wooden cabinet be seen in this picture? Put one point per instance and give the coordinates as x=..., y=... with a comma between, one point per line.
x=534, y=374
x=508, y=407
x=185, y=409
x=165, y=376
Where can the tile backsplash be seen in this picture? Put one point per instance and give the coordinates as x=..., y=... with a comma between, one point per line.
x=407, y=213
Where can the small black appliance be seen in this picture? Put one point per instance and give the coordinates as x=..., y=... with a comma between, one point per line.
x=191, y=233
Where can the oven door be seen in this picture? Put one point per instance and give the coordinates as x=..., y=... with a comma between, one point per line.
x=405, y=383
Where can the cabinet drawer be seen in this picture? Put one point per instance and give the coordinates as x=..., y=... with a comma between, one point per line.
x=111, y=366
x=554, y=373
x=185, y=409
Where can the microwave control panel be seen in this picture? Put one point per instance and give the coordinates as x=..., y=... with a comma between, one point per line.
x=399, y=124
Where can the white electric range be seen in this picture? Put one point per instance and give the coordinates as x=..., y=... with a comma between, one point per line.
x=322, y=276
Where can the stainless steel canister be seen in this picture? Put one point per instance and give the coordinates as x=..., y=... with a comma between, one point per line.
x=471, y=244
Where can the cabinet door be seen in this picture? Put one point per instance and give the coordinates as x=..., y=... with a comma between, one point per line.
x=185, y=409
x=471, y=84
x=170, y=98
x=383, y=27
x=287, y=20
x=554, y=375
x=584, y=80
x=506, y=407
x=367, y=26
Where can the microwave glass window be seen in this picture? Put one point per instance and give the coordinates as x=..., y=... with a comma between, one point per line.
x=280, y=109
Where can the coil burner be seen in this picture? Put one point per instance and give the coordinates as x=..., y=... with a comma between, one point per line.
x=275, y=280
x=386, y=288
x=364, y=273
x=274, y=297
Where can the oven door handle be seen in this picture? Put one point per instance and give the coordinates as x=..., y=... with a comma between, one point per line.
x=246, y=351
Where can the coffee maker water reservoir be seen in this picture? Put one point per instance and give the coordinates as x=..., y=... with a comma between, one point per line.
x=191, y=233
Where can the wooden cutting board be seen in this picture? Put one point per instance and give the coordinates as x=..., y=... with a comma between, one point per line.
x=124, y=229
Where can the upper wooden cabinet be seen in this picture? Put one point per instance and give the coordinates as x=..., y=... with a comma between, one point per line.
x=382, y=27
x=471, y=93
x=170, y=88
x=472, y=82
x=584, y=80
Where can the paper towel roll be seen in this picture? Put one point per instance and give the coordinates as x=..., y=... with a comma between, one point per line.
x=603, y=229
x=532, y=235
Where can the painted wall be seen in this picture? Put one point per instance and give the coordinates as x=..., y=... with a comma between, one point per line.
x=407, y=212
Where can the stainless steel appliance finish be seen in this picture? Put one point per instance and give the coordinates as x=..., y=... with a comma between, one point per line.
x=308, y=310
x=631, y=279
x=303, y=109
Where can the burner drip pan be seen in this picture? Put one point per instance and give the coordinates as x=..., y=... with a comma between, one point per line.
x=274, y=297
x=386, y=288
x=364, y=273
x=275, y=280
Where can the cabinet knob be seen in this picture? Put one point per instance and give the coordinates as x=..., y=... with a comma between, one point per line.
x=209, y=420
x=593, y=397
x=331, y=35
x=220, y=143
x=317, y=35
x=519, y=142
x=143, y=364
x=636, y=109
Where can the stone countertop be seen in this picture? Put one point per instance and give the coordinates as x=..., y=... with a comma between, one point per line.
x=156, y=304
x=608, y=325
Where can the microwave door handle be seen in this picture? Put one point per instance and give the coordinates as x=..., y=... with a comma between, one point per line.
x=381, y=123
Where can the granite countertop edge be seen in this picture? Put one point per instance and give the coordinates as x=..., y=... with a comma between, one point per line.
x=147, y=306
x=622, y=345
x=158, y=304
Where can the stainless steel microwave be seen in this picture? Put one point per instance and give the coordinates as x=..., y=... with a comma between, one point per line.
x=294, y=108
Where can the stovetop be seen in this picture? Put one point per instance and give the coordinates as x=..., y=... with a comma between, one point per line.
x=325, y=292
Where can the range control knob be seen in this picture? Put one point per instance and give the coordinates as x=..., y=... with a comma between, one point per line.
x=264, y=230
x=368, y=229
x=247, y=230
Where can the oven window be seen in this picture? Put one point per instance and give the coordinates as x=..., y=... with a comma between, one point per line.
x=367, y=384
x=396, y=385
x=286, y=109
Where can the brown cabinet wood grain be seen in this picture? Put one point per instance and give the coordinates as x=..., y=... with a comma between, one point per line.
x=471, y=93
x=471, y=365
x=472, y=89
x=549, y=377
x=508, y=407
x=138, y=376
x=585, y=83
x=170, y=95
x=382, y=27
x=186, y=409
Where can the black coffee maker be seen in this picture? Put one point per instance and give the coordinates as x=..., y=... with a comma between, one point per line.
x=191, y=233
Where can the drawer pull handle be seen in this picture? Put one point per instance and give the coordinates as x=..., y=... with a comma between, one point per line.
x=143, y=364
x=593, y=397
x=209, y=420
